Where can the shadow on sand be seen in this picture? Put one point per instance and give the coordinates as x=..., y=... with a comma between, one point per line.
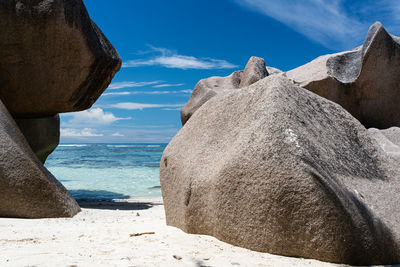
x=115, y=205
x=106, y=200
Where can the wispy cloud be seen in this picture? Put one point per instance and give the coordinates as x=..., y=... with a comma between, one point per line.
x=168, y=85
x=178, y=108
x=186, y=91
x=117, y=134
x=389, y=14
x=94, y=116
x=336, y=24
x=170, y=59
x=141, y=106
x=86, y=132
x=121, y=85
x=117, y=93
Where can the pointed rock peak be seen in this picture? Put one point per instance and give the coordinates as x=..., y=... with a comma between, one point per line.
x=254, y=59
x=376, y=34
x=255, y=62
x=254, y=71
x=374, y=27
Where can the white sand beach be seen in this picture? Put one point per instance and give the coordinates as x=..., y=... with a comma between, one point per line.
x=101, y=235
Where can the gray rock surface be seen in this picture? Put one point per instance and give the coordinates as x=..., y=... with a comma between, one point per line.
x=207, y=88
x=389, y=140
x=27, y=188
x=365, y=81
x=42, y=134
x=275, y=168
x=254, y=71
x=53, y=57
x=272, y=70
x=393, y=134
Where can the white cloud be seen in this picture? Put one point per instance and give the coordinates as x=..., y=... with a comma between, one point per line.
x=121, y=85
x=168, y=85
x=86, y=132
x=141, y=106
x=94, y=116
x=117, y=134
x=186, y=91
x=181, y=62
x=117, y=93
x=178, y=108
x=336, y=24
x=170, y=59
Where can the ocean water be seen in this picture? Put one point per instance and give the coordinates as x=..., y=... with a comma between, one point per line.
x=107, y=171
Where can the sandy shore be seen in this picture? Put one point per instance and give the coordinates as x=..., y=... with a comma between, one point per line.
x=102, y=235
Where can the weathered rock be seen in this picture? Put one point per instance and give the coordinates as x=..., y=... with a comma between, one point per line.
x=272, y=70
x=389, y=140
x=207, y=88
x=42, y=134
x=27, y=189
x=254, y=71
x=276, y=168
x=365, y=81
x=393, y=134
x=53, y=57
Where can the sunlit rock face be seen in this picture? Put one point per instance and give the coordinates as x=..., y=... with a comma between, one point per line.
x=389, y=140
x=207, y=88
x=276, y=168
x=365, y=81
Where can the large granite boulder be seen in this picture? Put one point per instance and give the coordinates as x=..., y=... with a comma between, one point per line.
x=365, y=81
x=207, y=88
x=42, y=134
x=273, y=167
x=27, y=189
x=53, y=57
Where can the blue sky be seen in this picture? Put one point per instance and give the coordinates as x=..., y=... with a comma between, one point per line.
x=168, y=46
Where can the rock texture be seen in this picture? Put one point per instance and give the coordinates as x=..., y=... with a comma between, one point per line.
x=389, y=140
x=393, y=134
x=53, y=57
x=27, y=189
x=207, y=88
x=365, y=81
x=276, y=168
x=42, y=134
x=273, y=71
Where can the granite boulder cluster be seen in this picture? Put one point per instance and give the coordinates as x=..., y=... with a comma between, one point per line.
x=285, y=163
x=54, y=59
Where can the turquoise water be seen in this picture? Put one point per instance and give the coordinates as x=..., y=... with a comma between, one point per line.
x=106, y=171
